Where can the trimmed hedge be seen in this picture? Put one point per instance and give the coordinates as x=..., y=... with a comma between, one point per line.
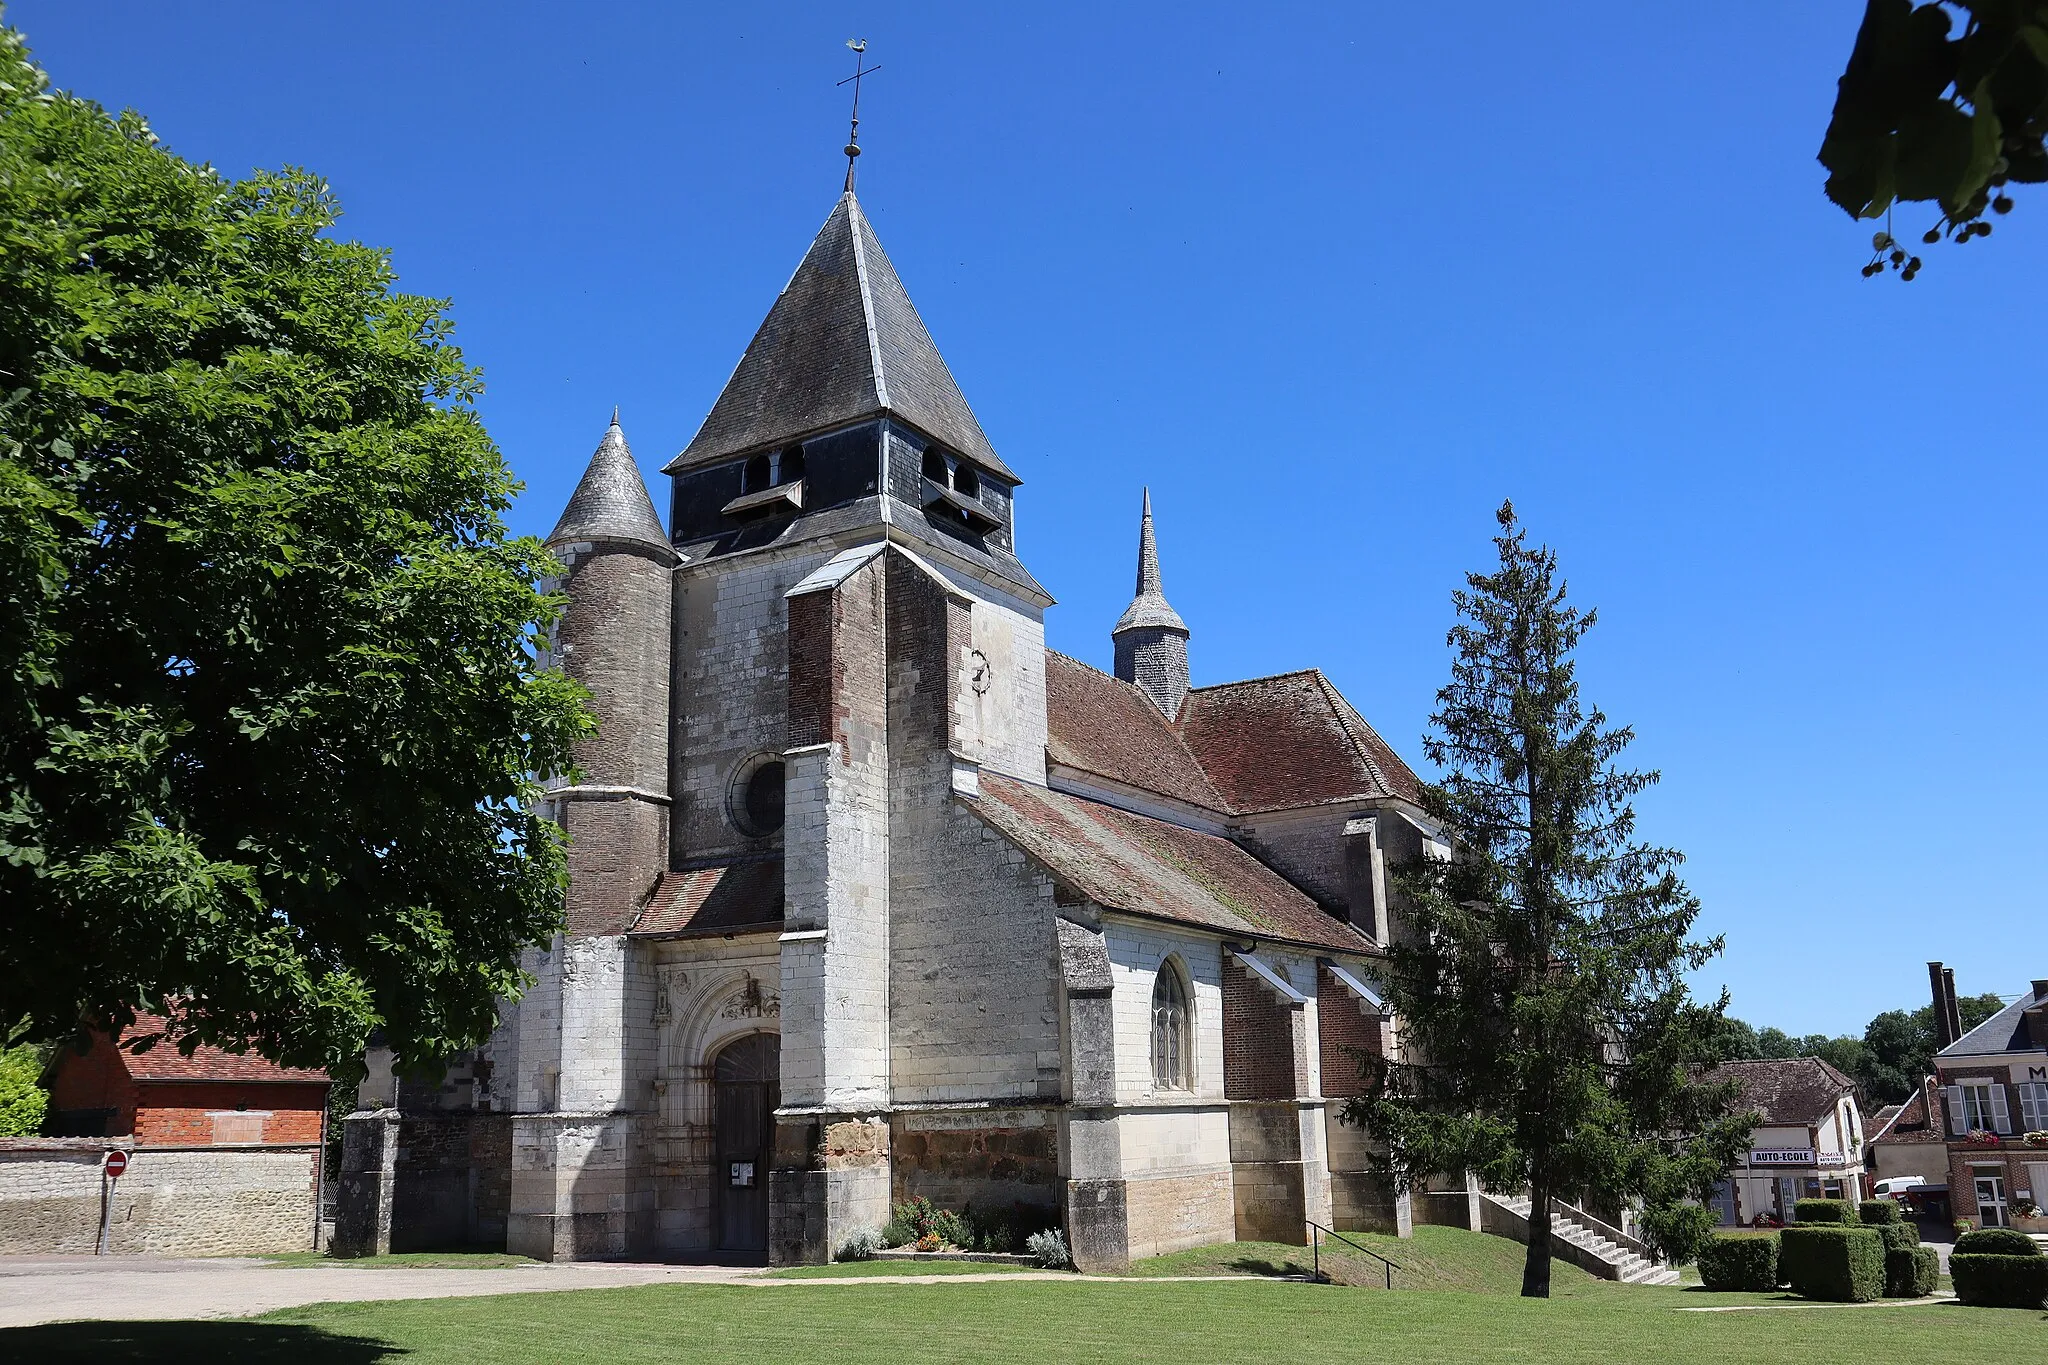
x=1834, y=1264
x=1910, y=1273
x=1877, y=1212
x=1899, y=1236
x=1740, y=1263
x=1825, y=1211
x=1995, y=1242
x=1991, y=1281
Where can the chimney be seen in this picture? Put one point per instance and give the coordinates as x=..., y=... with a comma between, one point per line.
x=1948, y=993
x=2040, y=991
x=1942, y=1036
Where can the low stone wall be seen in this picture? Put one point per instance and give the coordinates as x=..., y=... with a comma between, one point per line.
x=173, y=1201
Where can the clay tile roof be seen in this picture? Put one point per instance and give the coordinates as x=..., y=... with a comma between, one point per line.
x=841, y=342
x=1788, y=1091
x=1142, y=866
x=1901, y=1124
x=1290, y=740
x=724, y=899
x=163, y=1061
x=1105, y=726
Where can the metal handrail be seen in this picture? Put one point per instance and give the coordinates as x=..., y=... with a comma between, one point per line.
x=1316, y=1252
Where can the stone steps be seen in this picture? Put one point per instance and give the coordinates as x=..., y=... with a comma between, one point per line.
x=1629, y=1267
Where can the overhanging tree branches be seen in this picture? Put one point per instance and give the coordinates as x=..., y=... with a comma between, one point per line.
x=1923, y=114
x=269, y=718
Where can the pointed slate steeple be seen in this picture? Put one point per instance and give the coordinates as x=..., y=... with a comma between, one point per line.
x=1150, y=638
x=842, y=342
x=611, y=502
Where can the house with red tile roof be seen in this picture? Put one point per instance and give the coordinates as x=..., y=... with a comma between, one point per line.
x=1808, y=1144
x=148, y=1090
x=872, y=895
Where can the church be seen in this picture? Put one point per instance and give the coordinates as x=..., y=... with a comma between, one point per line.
x=874, y=896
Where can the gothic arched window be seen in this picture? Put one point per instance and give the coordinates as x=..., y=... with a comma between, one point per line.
x=1172, y=1036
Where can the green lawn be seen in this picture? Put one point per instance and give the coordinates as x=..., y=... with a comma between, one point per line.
x=1069, y=1320
x=854, y=1270
x=1435, y=1258
x=405, y=1260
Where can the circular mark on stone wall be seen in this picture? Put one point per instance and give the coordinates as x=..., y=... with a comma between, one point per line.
x=753, y=800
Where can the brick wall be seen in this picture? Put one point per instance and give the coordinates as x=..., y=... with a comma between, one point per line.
x=1258, y=1056
x=1344, y=1028
x=96, y=1080
x=203, y=1113
x=614, y=639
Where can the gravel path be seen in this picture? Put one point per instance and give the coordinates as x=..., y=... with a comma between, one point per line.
x=58, y=1289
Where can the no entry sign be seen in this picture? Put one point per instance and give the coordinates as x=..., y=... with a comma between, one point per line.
x=117, y=1162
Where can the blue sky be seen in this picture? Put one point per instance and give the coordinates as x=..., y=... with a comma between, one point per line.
x=1333, y=281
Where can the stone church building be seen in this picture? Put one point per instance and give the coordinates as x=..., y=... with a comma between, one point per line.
x=873, y=895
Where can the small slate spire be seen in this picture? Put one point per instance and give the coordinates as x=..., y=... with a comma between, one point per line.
x=1149, y=607
x=1150, y=638
x=611, y=501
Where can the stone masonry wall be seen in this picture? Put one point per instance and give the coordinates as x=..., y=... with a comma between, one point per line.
x=186, y=1201
x=730, y=700
x=973, y=973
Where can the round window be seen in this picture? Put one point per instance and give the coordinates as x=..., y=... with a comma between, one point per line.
x=756, y=803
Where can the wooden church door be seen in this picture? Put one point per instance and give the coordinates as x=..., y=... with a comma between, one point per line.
x=747, y=1080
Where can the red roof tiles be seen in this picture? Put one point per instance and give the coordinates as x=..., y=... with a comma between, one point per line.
x=1143, y=866
x=1905, y=1124
x=164, y=1062
x=1105, y=726
x=1286, y=741
x=1787, y=1091
x=713, y=900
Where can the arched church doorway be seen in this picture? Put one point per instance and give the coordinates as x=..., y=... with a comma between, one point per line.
x=747, y=1082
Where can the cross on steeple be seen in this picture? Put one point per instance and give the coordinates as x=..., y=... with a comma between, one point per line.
x=860, y=47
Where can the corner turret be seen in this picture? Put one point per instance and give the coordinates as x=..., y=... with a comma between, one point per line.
x=614, y=638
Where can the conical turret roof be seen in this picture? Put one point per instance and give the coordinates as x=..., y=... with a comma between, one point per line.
x=842, y=342
x=611, y=502
x=1149, y=607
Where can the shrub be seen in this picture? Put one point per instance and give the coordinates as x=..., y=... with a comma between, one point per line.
x=1877, y=1212
x=1899, y=1236
x=1994, y=1281
x=1005, y=1230
x=863, y=1245
x=1049, y=1249
x=926, y=1221
x=1835, y=1264
x=1996, y=1242
x=1824, y=1211
x=1909, y=1273
x=1746, y=1263
x=895, y=1234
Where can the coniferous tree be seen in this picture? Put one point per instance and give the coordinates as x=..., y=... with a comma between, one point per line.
x=1549, y=1040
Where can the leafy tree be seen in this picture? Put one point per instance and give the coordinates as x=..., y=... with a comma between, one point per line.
x=1925, y=114
x=1887, y=1063
x=1551, y=1043
x=22, y=1097
x=269, y=716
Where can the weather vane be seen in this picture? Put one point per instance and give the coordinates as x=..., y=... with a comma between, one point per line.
x=860, y=47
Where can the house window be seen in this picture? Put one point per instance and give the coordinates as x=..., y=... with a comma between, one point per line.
x=1172, y=1064
x=1979, y=1107
x=2034, y=1109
